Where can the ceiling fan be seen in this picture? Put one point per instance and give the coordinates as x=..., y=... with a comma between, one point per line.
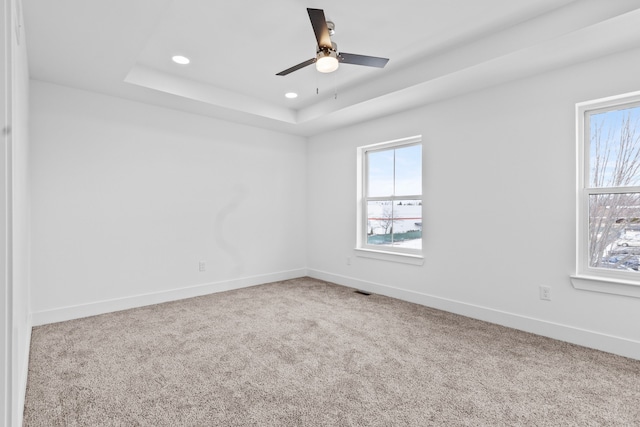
x=327, y=57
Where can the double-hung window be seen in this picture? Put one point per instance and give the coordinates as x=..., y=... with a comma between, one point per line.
x=390, y=197
x=608, y=255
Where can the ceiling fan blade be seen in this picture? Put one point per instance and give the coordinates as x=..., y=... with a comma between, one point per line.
x=296, y=67
x=369, y=61
x=319, y=24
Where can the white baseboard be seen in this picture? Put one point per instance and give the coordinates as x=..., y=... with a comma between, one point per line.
x=582, y=337
x=100, y=307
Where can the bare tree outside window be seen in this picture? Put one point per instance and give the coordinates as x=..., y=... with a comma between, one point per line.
x=614, y=204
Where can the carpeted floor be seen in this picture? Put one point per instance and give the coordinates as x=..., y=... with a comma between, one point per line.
x=309, y=353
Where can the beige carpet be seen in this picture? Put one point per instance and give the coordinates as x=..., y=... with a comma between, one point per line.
x=310, y=353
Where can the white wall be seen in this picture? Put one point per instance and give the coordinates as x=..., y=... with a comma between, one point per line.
x=499, y=207
x=128, y=198
x=15, y=319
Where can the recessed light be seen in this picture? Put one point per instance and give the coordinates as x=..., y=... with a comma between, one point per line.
x=291, y=95
x=179, y=59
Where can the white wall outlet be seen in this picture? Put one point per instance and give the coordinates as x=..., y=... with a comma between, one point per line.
x=348, y=260
x=202, y=266
x=545, y=293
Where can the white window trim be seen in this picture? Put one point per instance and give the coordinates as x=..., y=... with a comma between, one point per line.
x=586, y=277
x=401, y=255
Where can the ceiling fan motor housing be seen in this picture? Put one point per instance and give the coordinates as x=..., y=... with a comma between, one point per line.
x=325, y=49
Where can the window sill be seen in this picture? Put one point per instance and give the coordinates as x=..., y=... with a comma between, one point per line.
x=390, y=256
x=606, y=285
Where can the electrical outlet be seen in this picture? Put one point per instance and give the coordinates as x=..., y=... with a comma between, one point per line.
x=348, y=260
x=545, y=293
x=202, y=266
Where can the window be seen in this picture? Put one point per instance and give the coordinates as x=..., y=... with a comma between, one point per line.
x=609, y=191
x=390, y=197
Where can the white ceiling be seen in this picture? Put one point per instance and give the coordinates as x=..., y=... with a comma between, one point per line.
x=437, y=49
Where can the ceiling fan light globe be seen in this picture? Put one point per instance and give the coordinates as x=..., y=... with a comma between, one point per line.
x=327, y=64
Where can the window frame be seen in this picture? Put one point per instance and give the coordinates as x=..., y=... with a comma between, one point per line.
x=612, y=281
x=387, y=253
